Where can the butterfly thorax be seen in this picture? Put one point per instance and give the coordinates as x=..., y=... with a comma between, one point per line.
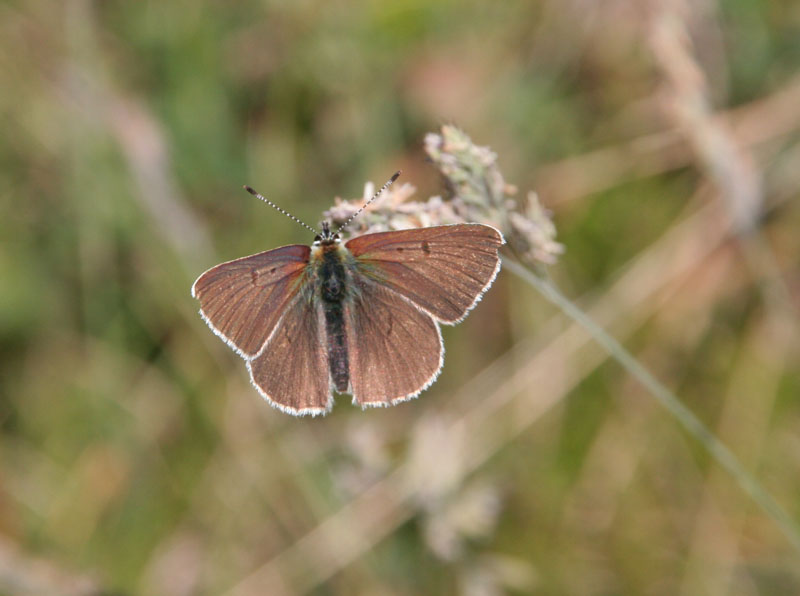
x=329, y=265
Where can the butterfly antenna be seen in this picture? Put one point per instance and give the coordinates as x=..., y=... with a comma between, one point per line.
x=375, y=196
x=286, y=213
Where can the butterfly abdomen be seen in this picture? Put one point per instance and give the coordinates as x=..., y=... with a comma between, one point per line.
x=333, y=292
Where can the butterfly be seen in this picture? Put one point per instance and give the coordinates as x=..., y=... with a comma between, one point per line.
x=359, y=317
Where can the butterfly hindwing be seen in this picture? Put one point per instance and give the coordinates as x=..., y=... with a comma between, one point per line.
x=292, y=370
x=395, y=350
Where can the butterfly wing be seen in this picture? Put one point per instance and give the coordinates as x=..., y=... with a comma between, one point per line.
x=292, y=370
x=395, y=350
x=442, y=269
x=243, y=300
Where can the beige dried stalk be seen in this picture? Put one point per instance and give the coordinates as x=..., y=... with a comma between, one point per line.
x=476, y=192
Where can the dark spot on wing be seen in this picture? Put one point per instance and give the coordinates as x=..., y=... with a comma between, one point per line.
x=426, y=248
x=262, y=276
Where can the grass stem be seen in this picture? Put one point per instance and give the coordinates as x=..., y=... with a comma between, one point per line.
x=718, y=450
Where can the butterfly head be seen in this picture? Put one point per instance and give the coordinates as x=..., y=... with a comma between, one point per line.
x=326, y=238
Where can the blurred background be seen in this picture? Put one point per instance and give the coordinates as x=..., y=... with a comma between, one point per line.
x=137, y=459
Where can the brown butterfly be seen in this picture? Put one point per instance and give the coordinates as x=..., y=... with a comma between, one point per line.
x=360, y=317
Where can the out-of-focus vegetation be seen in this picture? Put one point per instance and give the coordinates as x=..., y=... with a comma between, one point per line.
x=136, y=458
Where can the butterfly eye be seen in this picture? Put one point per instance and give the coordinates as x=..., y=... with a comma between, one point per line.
x=317, y=238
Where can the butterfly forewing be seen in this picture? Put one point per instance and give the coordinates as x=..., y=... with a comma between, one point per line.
x=243, y=300
x=292, y=370
x=443, y=269
x=395, y=350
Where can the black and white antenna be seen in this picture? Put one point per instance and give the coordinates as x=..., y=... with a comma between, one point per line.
x=286, y=213
x=375, y=196
x=325, y=231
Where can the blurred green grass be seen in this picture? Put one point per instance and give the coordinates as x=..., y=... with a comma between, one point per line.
x=138, y=459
